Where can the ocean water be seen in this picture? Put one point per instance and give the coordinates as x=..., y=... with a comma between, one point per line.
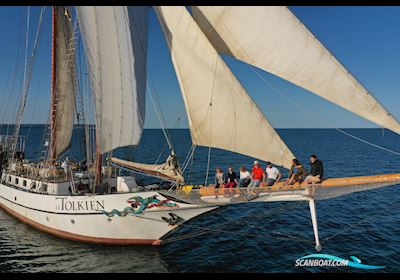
x=365, y=225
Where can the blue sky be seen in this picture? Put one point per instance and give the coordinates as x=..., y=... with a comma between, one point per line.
x=365, y=39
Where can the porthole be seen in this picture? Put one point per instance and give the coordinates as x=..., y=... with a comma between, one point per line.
x=109, y=220
x=72, y=222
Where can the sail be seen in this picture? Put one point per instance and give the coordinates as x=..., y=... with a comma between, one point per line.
x=65, y=90
x=274, y=39
x=169, y=170
x=220, y=112
x=115, y=40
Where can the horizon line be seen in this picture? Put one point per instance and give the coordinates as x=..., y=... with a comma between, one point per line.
x=42, y=124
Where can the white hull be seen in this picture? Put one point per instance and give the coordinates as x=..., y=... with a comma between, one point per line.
x=80, y=217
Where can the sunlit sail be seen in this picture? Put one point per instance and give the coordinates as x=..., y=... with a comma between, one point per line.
x=273, y=39
x=115, y=40
x=221, y=114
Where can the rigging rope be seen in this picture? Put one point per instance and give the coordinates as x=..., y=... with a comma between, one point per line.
x=160, y=120
x=27, y=79
x=230, y=223
x=189, y=157
x=163, y=148
x=295, y=104
x=276, y=234
x=211, y=118
x=155, y=101
x=208, y=165
x=24, y=93
x=317, y=118
x=33, y=112
x=11, y=89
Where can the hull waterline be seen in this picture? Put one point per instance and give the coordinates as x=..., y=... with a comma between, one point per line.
x=81, y=218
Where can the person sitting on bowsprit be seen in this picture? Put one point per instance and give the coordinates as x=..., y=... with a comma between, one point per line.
x=297, y=173
x=317, y=171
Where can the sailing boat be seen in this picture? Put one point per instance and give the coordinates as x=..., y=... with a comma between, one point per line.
x=113, y=210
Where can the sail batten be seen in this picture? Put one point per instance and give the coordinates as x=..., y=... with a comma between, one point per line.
x=273, y=39
x=220, y=112
x=115, y=40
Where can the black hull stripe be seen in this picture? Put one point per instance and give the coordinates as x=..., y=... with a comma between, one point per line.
x=50, y=212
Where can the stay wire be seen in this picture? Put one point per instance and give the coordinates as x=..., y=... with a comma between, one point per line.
x=298, y=106
x=319, y=119
x=211, y=118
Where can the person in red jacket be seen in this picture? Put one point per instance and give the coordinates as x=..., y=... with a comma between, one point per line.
x=257, y=177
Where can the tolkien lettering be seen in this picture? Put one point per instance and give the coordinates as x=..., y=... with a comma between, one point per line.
x=67, y=205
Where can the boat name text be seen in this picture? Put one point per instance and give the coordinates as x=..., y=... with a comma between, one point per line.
x=79, y=205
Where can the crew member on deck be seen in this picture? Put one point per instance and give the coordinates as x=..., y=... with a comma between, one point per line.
x=231, y=182
x=257, y=176
x=65, y=166
x=317, y=171
x=245, y=177
x=297, y=173
x=273, y=174
x=219, y=181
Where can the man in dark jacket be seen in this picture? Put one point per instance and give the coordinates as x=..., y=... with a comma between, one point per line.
x=316, y=172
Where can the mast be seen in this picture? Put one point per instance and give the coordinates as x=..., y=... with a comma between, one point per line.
x=53, y=87
x=98, y=163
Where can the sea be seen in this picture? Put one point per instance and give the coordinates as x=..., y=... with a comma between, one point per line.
x=255, y=237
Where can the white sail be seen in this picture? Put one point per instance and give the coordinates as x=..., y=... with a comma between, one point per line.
x=115, y=40
x=274, y=39
x=65, y=91
x=169, y=170
x=221, y=114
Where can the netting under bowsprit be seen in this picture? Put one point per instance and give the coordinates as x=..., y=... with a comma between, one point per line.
x=208, y=195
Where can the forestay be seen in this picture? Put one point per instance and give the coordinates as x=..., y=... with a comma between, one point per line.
x=65, y=90
x=115, y=40
x=274, y=39
x=220, y=112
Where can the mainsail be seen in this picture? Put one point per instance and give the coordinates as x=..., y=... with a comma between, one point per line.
x=115, y=40
x=274, y=39
x=221, y=114
x=65, y=90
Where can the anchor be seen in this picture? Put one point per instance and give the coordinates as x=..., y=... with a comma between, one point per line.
x=173, y=219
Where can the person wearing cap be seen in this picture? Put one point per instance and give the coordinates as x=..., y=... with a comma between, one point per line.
x=297, y=173
x=316, y=172
x=273, y=174
x=257, y=177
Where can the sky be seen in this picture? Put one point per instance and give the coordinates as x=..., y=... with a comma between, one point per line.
x=366, y=40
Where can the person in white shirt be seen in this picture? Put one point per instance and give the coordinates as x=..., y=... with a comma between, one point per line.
x=273, y=174
x=245, y=177
x=64, y=166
